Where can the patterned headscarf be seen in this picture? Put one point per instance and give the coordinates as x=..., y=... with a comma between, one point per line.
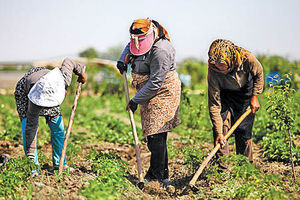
x=140, y=26
x=224, y=51
x=162, y=32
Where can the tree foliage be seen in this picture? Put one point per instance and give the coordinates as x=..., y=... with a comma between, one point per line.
x=196, y=69
x=112, y=53
x=89, y=53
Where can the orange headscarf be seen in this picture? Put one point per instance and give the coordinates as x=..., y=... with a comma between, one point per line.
x=140, y=26
x=224, y=51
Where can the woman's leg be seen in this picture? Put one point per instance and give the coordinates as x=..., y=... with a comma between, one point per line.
x=226, y=117
x=56, y=126
x=23, y=126
x=157, y=145
x=30, y=130
x=166, y=167
x=243, y=135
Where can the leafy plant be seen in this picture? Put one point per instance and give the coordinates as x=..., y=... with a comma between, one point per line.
x=13, y=174
x=280, y=107
x=110, y=181
x=193, y=157
x=244, y=182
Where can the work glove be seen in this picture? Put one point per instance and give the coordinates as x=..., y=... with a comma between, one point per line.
x=82, y=78
x=132, y=106
x=121, y=67
x=254, y=104
x=220, y=139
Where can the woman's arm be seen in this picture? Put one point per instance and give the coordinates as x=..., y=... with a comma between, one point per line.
x=159, y=67
x=68, y=67
x=257, y=71
x=258, y=81
x=214, y=102
x=124, y=53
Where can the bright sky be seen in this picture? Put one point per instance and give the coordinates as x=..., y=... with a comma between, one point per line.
x=42, y=29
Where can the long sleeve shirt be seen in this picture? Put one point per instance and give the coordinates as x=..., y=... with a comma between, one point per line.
x=124, y=53
x=68, y=67
x=156, y=63
x=232, y=81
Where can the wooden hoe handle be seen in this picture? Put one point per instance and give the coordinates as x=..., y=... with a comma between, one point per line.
x=217, y=147
x=136, y=140
x=64, y=149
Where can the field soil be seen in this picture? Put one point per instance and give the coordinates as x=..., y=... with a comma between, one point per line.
x=45, y=186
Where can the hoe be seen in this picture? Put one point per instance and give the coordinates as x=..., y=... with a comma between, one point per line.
x=64, y=149
x=217, y=147
x=136, y=140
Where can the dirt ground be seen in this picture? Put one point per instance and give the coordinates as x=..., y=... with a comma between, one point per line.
x=45, y=185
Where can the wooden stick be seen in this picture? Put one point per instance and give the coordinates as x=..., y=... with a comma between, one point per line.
x=217, y=147
x=64, y=149
x=136, y=140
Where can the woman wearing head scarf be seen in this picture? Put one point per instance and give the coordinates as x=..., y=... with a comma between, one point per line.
x=39, y=93
x=158, y=89
x=235, y=79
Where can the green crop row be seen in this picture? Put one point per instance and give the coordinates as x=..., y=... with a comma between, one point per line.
x=14, y=174
x=245, y=181
x=111, y=182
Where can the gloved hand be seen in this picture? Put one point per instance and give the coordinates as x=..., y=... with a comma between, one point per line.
x=82, y=78
x=254, y=104
x=122, y=67
x=132, y=106
x=220, y=139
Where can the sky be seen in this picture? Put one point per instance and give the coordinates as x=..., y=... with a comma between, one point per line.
x=42, y=29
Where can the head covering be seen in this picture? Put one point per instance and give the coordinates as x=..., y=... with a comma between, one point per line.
x=225, y=52
x=49, y=90
x=162, y=32
x=143, y=33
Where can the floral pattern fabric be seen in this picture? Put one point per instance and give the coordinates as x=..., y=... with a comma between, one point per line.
x=161, y=112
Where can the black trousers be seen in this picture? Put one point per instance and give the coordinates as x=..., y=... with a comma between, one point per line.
x=157, y=144
x=237, y=102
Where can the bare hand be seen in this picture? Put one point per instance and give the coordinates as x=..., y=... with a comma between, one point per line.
x=254, y=104
x=128, y=107
x=220, y=139
x=82, y=78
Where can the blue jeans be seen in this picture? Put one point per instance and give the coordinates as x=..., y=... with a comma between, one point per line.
x=57, y=130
